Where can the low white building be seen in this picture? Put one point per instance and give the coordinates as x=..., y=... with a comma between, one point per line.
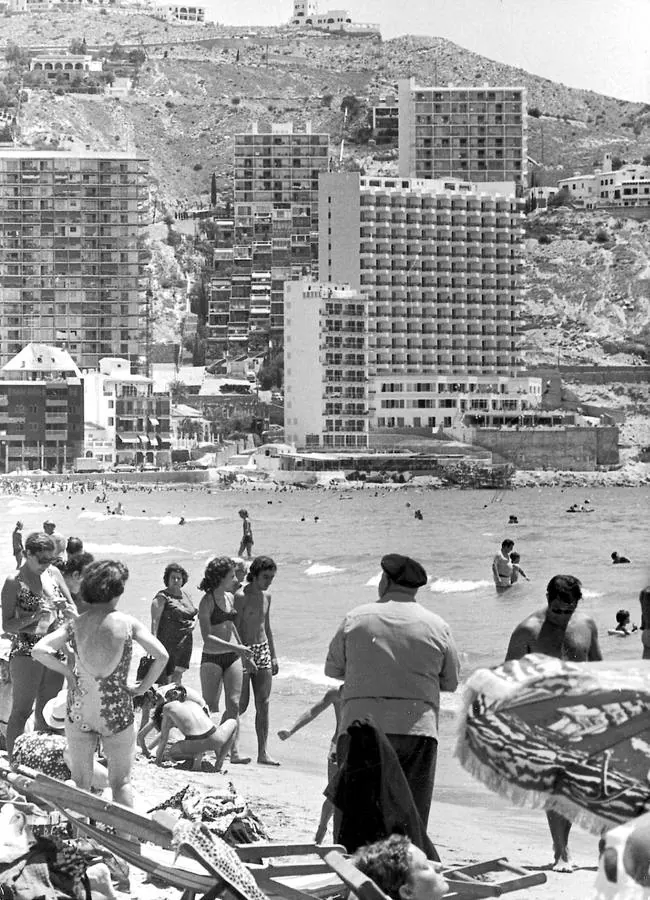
x=305, y=14
x=122, y=412
x=627, y=186
x=175, y=12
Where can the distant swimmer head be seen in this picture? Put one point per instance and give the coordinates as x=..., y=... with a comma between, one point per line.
x=243, y=513
x=614, y=555
x=513, y=520
x=623, y=616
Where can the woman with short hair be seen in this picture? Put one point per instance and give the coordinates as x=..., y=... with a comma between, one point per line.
x=100, y=700
x=34, y=601
x=173, y=617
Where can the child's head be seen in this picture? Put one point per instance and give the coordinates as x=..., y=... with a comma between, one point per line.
x=515, y=557
x=623, y=617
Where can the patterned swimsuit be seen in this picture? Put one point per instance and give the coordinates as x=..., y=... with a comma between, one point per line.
x=101, y=704
x=28, y=602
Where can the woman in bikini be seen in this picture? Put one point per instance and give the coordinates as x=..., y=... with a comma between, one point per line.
x=224, y=655
x=100, y=701
x=34, y=600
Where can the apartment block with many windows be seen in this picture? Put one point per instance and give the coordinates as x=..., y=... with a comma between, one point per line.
x=41, y=410
x=325, y=366
x=276, y=227
x=440, y=263
x=71, y=268
x=474, y=133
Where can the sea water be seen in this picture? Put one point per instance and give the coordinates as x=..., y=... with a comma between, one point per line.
x=328, y=544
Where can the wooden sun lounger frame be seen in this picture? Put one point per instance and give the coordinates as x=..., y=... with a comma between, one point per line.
x=73, y=802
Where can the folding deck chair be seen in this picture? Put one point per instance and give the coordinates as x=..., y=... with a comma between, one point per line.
x=150, y=843
x=190, y=871
x=461, y=880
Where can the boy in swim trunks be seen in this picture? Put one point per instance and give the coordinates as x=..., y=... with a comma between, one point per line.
x=332, y=697
x=253, y=606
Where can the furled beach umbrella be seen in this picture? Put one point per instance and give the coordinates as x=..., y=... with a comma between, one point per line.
x=565, y=736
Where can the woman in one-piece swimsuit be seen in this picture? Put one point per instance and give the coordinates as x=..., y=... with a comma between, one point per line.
x=223, y=651
x=100, y=702
x=34, y=600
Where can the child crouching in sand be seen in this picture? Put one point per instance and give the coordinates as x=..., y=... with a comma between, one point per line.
x=177, y=709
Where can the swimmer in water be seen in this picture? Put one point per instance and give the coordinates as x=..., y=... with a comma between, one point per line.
x=623, y=625
x=618, y=560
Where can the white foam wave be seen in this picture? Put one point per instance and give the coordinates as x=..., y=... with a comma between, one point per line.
x=129, y=549
x=592, y=595
x=312, y=672
x=449, y=586
x=374, y=581
x=322, y=569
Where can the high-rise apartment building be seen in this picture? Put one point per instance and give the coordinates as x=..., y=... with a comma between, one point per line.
x=474, y=133
x=276, y=227
x=326, y=366
x=71, y=268
x=440, y=263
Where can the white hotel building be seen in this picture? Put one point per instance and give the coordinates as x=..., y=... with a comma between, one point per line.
x=439, y=265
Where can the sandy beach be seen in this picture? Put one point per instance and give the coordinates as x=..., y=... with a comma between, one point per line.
x=468, y=823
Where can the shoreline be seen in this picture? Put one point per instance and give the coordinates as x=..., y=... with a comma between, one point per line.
x=633, y=474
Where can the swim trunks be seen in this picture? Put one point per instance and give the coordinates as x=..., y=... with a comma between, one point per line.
x=223, y=660
x=201, y=737
x=261, y=655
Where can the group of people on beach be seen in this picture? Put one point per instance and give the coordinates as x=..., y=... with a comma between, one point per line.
x=392, y=656
x=72, y=648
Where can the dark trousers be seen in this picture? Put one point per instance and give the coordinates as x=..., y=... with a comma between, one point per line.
x=417, y=756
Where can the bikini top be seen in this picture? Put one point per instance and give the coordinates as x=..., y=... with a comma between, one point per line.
x=218, y=616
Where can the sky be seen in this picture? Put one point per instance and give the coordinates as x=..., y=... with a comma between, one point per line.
x=599, y=45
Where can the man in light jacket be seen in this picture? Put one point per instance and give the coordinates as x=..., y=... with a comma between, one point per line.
x=395, y=657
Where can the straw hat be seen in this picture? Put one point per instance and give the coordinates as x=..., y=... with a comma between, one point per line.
x=54, y=710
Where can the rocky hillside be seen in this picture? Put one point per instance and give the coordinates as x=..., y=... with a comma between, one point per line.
x=588, y=276
x=587, y=296
x=199, y=85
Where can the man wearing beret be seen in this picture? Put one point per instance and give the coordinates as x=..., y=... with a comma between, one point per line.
x=395, y=657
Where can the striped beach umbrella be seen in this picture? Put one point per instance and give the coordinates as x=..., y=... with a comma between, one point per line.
x=564, y=736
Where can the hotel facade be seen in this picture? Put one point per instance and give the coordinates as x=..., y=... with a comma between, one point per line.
x=71, y=267
x=275, y=233
x=474, y=133
x=414, y=324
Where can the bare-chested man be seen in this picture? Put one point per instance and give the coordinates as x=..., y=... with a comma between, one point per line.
x=253, y=606
x=559, y=630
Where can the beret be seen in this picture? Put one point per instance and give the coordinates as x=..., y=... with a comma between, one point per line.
x=403, y=570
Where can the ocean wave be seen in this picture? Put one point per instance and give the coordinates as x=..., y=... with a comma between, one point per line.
x=449, y=586
x=304, y=671
x=592, y=595
x=322, y=569
x=374, y=581
x=130, y=549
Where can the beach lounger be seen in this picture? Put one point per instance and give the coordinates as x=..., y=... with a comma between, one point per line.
x=204, y=865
